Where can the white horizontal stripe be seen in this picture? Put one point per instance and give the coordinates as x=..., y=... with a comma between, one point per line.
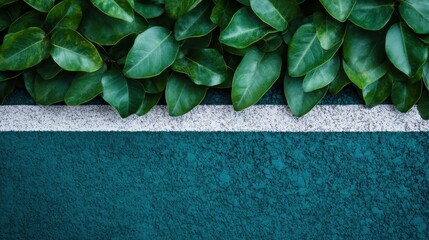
x=213, y=118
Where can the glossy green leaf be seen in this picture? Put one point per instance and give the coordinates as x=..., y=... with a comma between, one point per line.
x=244, y=29
x=149, y=101
x=85, y=87
x=372, y=14
x=339, y=9
x=6, y=88
x=377, y=92
x=178, y=8
x=270, y=42
x=118, y=29
x=23, y=49
x=405, y=50
x=300, y=102
x=322, y=76
x=423, y=105
x=29, y=77
x=255, y=75
x=416, y=14
x=29, y=19
x=195, y=23
x=223, y=11
x=48, y=69
x=305, y=51
x=73, y=52
x=41, y=5
x=425, y=72
x=340, y=81
x=405, y=96
x=329, y=31
x=276, y=13
x=52, y=91
x=66, y=14
x=182, y=95
x=125, y=95
x=397, y=76
x=204, y=67
x=153, y=51
x=365, y=60
x=148, y=9
x=120, y=9
x=155, y=85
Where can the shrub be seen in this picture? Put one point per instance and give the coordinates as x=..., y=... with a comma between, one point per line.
x=134, y=52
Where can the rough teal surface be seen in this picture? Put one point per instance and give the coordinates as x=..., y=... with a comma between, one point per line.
x=214, y=185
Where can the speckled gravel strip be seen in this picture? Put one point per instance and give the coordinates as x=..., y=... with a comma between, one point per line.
x=213, y=118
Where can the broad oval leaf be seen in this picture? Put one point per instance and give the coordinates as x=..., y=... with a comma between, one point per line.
x=340, y=81
x=125, y=95
x=73, y=52
x=41, y=5
x=372, y=14
x=149, y=101
x=416, y=14
x=195, y=23
x=120, y=9
x=364, y=56
x=148, y=9
x=223, y=11
x=322, y=76
x=155, y=85
x=182, y=95
x=27, y=20
x=48, y=92
x=405, y=95
x=178, y=8
x=85, y=87
x=339, y=9
x=255, y=75
x=48, y=69
x=300, y=102
x=153, y=51
x=23, y=49
x=329, y=31
x=244, y=29
x=66, y=14
x=423, y=105
x=405, y=50
x=118, y=29
x=204, y=66
x=305, y=51
x=276, y=13
x=377, y=92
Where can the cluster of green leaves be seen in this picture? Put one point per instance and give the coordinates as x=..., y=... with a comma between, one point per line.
x=134, y=52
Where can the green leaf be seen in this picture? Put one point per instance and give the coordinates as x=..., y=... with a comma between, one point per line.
x=4, y=19
x=73, y=52
x=6, y=88
x=276, y=13
x=300, y=102
x=182, y=95
x=305, y=51
x=244, y=2
x=416, y=14
x=423, y=105
x=377, y=92
x=178, y=8
x=85, y=87
x=149, y=10
x=405, y=96
x=204, y=67
x=244, y=29
x=120, y=9
x=66, y=14
x=48, y=69
x=329, y=31
x=29, y=77
x=5, y=2
x=322, y=76
x=364, y=56
x=23, y=49
x=153, y=51
x=48, y=92
x=339, y=9
x=372, y=14
x=197, y=42
x=121, y=49
x=41, y=5
x=405, y=50
x=270, y=42
x=155, y=85
x=426, y=74
x=125, y=95
x=340, y=81
x=195, y=23
x=117, y=29
x=29, y=19
x=255, y=75
x=150, y=100
x=397, y=76
x=223, y=11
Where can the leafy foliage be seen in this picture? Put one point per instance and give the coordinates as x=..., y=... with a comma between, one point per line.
x=133, y=53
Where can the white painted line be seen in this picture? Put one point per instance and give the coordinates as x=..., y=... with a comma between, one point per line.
x=212, y=118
